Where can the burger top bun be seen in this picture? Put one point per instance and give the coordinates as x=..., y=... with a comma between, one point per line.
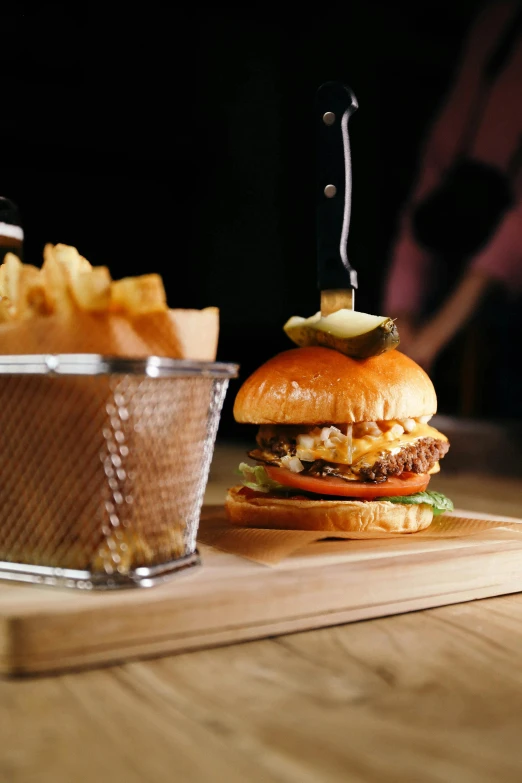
x=319, y=385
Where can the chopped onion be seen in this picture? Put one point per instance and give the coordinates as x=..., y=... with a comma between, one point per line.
x=396, y=430
x=327, y=431
x=367, y=428
x=408, y=424
x=306, y=441
x=305, y=454
x=424, y=419
x=292, y=463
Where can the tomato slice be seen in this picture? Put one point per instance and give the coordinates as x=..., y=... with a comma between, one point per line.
x=407, y=484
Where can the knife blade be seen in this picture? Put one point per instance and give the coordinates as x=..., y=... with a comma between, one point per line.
x=337, y=280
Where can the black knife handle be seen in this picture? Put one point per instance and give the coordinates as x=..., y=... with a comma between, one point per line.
x=334, y=105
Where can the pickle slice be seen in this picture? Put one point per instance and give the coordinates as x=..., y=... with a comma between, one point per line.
x=358, y=335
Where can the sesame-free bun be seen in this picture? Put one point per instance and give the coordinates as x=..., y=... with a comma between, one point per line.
x=348, y=516
x=320, y=385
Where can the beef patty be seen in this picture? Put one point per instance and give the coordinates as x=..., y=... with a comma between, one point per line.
x=417, y=457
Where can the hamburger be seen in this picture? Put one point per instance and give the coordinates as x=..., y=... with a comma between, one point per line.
x=343, y=444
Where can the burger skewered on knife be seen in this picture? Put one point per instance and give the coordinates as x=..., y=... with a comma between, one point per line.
x=344, y=440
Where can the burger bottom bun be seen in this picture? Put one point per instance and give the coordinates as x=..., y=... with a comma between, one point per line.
x=348, y=516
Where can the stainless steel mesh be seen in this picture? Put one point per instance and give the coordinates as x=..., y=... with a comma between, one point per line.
x=104, y=474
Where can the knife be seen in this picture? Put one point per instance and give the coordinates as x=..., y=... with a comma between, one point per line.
x=337, y=280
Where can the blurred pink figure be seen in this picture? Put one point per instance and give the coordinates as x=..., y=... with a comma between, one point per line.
x=490, y=117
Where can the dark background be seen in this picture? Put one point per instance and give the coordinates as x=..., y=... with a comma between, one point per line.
x=182, y=142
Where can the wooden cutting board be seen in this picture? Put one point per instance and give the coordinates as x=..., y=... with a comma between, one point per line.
x=231, y=599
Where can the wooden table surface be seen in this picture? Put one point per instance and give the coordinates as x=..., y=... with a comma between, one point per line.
x=428, y=696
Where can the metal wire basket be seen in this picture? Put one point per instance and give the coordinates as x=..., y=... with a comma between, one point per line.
x=104, y=463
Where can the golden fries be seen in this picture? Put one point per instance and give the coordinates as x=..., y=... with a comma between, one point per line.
x=56, y=282
x=10, y=278
x=68, y=282
x=32, y=294
x=139, y=295
x=69, y=258
x=7, y=312
x=92, y=290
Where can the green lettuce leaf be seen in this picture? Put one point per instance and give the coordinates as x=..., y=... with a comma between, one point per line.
x=256, y=477
x=439, y=502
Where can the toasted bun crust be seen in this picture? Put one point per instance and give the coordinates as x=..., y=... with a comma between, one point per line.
x=332, y=515
x=319, y=386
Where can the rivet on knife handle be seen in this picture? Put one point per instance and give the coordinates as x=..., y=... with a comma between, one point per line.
x=335, y=103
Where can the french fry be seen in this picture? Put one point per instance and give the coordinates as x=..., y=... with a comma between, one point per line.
x=2, y=281
x=56, y=282
x=10, y=278
x=139, y=295
x=67, y=282
x=92, y=290
x=71, y=260
x=32, y=298
x=7, y=312
x=23, y=289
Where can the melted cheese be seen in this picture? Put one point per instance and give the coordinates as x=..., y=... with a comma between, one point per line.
x=352, y=449
x=365, y=450
x=372, y=447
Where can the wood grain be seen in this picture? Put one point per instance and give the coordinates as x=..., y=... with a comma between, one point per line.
x=432, y=696
x=232, y=599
